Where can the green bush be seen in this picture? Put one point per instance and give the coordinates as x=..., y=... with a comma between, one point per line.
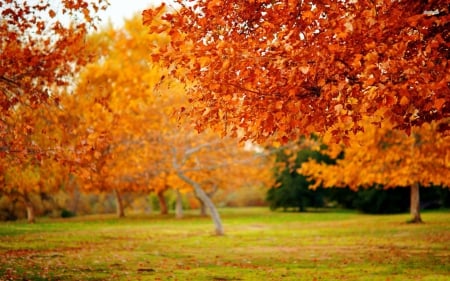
x=292, y=190
x=67, y=214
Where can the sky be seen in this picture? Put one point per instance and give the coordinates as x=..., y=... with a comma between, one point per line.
x=120, y=9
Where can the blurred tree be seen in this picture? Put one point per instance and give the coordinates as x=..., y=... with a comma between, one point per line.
x=41, y=46
x=39, y=168
x=122, y=118
x=388, y=157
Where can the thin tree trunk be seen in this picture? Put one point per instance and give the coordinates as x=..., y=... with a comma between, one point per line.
x=203, y=212
x=76, y=195
x=162, y=203
x=31, y=217
x=210, y=194
x=415, y=193
x=179, y=205
x=415, y=204
x=212, y=209
x=149, y=201
x=119, y=204
x=200, y=193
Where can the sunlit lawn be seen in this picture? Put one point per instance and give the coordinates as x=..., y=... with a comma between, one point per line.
x=258, y=245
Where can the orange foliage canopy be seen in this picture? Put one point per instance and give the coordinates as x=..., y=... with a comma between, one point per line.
x=289, y=68
x=387, y=157
x=41, y=46
x=120, y=124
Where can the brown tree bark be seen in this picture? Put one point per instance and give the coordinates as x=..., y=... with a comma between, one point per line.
x=162, y=203
x=210, y=194
x=415, y=192
x=415, y=204
x=31, y=216
x=200, y=193
x=203, y=212
x=119, y=204
x=179, y=205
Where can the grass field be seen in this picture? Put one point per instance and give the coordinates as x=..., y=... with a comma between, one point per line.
x=258, y=245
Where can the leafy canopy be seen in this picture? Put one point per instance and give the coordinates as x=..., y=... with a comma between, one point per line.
x=288, y=68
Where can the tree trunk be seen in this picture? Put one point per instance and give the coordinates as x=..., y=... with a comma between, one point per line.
x=76, y=195
x=31, y=218
x=210, y=194
x=415, y=193
x=119, y=204
x=415, y=204
x=162, y=203
x=200, y=193
x=149, y=208
x=212, y=209
x=203, y=212
x=179, y=205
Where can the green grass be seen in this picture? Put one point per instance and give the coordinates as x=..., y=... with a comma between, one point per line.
x=258, y=245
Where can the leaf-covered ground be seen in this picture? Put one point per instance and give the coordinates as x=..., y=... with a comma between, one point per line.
x=258, y=245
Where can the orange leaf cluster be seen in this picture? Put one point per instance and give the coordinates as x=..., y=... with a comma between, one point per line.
x=388, y=157
x=288, y=68
x=41, y=47
x=124, y=133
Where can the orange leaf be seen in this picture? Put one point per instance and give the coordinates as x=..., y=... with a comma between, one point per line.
x=149, y=14
x=438, y=103
x=404, y=100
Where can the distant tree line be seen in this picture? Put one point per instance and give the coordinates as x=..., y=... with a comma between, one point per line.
x=292, y=190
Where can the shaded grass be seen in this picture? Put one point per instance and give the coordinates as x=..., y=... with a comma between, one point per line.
x=258, y=245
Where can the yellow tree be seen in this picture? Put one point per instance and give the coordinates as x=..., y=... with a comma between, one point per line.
x=207, y=161
x=35, y=163
x=117, y=118
x=41, y=46
x=388, y=157
x=88, y=118
x=130, y=103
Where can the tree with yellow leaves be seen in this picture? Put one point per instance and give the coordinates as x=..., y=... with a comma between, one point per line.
x=388, y=157
x=123, y=117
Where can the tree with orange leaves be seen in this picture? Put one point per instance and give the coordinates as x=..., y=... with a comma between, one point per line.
x=41, y=47
x=290, y=68
x=207, y=161
x=34, y=166
x=387, y=157
x=122, y=99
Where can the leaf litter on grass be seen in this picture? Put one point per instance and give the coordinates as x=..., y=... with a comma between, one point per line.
x=349, y=248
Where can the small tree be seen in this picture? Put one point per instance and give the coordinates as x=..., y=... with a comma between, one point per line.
x=387, y=157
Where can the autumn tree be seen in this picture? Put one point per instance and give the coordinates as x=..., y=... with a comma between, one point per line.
x=387, y=157
x=28, y=170
x=289, y=68
x=123, y=98
x=111, y=114
x=41, y=46
x=208, y=161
